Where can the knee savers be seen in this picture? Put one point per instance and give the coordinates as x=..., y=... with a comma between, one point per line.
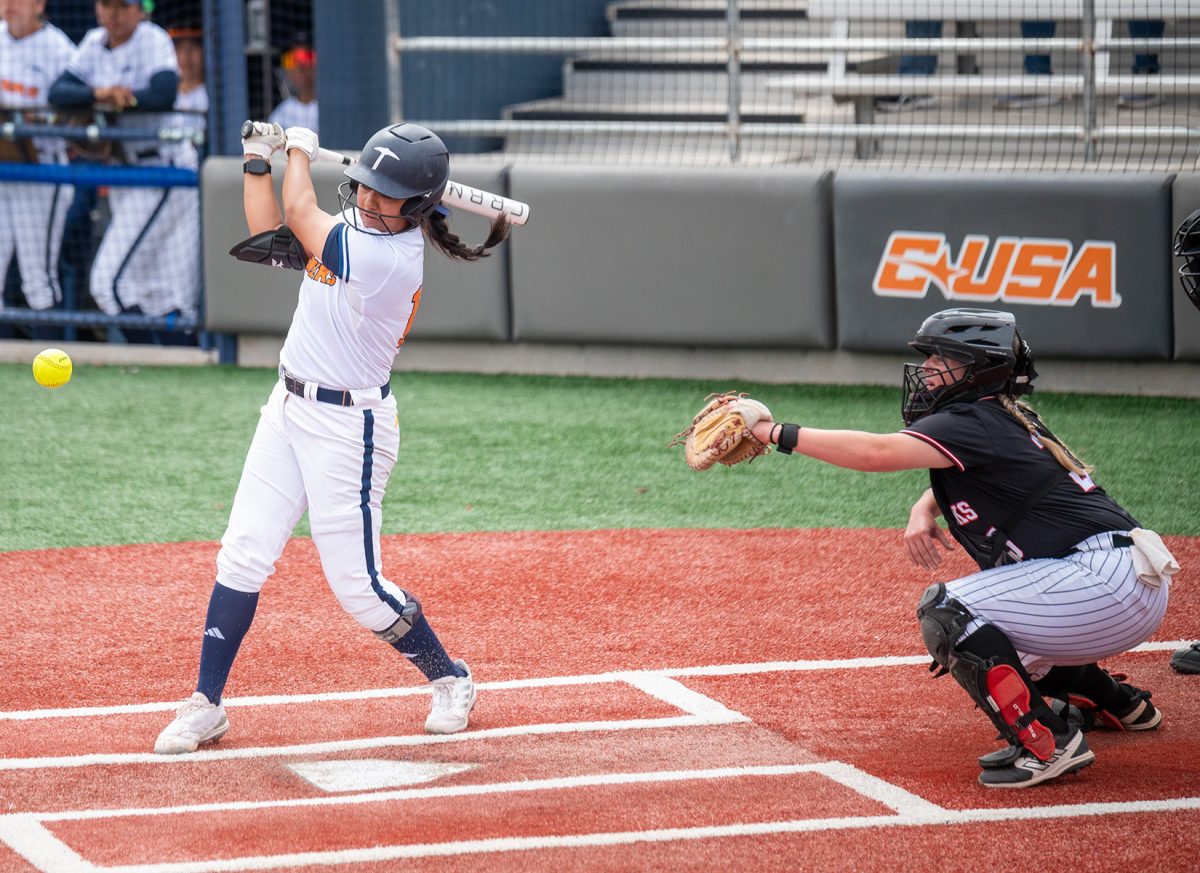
x=943, y=620
x=987, y=666
x=404, y=623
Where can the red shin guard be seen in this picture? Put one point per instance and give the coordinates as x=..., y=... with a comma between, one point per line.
x=1011, y=696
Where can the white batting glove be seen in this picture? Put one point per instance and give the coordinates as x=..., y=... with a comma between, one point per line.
x=751, y=410
x=264, y=141
x=302, y=139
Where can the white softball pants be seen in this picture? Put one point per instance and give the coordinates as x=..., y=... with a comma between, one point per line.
x=333, y=461
x=150, y=255
x=1067, y=611
x=32, y=217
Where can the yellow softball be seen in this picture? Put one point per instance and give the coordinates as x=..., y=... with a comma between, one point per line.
x=52, y=368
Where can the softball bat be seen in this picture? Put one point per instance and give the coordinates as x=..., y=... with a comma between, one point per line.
x=458, y=195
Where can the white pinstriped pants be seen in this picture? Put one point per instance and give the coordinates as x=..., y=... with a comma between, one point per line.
x=1066, y=611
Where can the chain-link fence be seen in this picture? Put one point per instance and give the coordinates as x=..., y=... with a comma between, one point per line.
x=1075, y=84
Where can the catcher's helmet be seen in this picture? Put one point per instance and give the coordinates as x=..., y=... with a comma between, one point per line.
x=986, y=354
x=1187, y=246
x=405, y=162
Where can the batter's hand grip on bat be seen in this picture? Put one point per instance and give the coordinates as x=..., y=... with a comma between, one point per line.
x=460, y=196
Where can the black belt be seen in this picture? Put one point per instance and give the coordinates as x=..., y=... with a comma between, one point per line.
x=1119, y=541
x=328, y=395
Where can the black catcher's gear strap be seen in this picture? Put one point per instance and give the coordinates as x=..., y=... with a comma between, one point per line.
x=997, y=541
x=789, y=435
x=277, y=248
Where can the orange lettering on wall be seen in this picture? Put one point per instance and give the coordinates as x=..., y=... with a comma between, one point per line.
x=1036, y=269
x=896, y=275
x=1092, y=272
x=988, y=286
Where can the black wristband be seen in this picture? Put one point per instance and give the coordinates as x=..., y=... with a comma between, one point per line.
x=257, y=167
x=788, y=436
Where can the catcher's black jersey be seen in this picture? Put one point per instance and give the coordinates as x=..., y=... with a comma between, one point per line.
x=997, y=465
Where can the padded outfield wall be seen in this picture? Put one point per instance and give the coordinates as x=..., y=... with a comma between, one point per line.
x=782, y=259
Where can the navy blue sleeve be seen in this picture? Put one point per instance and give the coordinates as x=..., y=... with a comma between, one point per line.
x=336, y=256
x=159, y=95
x=70, y=92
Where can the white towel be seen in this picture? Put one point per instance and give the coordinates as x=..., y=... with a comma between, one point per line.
x=1152, y=560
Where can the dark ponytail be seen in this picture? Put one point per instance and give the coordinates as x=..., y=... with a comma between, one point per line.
x=438, y=231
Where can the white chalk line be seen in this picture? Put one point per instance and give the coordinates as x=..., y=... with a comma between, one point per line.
x=34, y=842
x=516, y=684
x=206, y=756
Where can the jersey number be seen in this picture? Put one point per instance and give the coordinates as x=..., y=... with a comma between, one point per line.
x=1083, y=480
x=416, y=301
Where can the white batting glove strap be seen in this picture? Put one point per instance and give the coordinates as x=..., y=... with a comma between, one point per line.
x=751, y=410
x=303, y=139
x=266, y=139
x=261, y=149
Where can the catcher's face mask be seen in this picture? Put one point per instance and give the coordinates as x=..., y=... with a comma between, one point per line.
x=1187, y=246
x=928, y=385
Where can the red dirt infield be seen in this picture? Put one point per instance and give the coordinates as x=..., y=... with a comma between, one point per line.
x=662, y=699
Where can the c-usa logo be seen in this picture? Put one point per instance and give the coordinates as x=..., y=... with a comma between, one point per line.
x=384, y=152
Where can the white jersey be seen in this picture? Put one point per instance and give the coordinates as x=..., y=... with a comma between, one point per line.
x=130, y=65
x=28, y=67
x=356, y=304
x=292, y=113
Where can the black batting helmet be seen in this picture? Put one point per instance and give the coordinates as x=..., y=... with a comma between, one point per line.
x=1187, y=246
x=404, y=162
x=987, y=356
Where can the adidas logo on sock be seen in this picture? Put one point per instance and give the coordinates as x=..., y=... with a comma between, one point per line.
x=214, y=632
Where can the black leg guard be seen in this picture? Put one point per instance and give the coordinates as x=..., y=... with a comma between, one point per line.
x=1103, y=699
x=988, y=668
x=404, y=623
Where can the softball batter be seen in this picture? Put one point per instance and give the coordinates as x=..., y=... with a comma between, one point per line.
x=32, y=214
x=328, y=435
x=1066, y=578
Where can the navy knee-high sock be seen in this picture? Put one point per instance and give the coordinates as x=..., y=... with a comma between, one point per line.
x=421, y=646
x=229, y=615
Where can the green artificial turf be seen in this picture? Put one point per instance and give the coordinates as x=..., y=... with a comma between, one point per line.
x=153, y=454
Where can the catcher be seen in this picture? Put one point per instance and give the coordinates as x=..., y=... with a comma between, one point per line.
x=1067, y=576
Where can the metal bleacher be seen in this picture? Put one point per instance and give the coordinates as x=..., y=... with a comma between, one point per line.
x=795, y=81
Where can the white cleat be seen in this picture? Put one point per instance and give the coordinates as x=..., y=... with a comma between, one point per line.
x=453, y=700
x=196, y=721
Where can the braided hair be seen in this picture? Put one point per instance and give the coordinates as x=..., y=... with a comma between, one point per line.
x=438, y=231
x=1023, y=412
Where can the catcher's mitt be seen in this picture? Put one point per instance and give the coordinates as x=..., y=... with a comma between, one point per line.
x=719, y=434
x=1187, y=660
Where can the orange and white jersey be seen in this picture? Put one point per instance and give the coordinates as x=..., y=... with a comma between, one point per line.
x=357, y=303
x=28, y=67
